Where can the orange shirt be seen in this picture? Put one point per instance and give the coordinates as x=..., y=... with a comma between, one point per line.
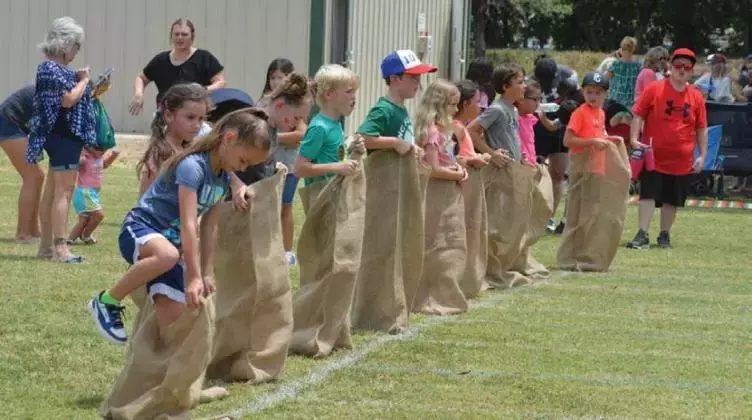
x=464, y=141
x=589, y=123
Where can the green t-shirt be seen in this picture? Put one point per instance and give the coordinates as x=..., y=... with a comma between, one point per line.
x=387, y=119
x=321, y=144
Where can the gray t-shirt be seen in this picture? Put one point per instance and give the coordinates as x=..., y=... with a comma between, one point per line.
x=502, y=125
x=159, y=207
x=285, y=155
x=19, y=107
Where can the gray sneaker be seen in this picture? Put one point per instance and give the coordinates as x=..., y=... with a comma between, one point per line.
x=640, y=241
x=664, y=240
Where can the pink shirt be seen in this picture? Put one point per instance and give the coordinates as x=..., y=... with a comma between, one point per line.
x=463, y=138
x=444, y=146
x=91, y=171
x=527, y=136
x=646, y=76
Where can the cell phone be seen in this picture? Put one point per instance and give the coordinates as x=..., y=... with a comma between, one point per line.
x=107, y=73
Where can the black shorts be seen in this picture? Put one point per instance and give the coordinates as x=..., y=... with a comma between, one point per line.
x=664, y=188
x=548, y=143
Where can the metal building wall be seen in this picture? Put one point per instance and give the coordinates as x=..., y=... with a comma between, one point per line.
x=125, y=34
x=377, y=27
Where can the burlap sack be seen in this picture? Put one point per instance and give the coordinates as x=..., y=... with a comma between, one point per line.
x=392, y=255
x=445, y=254
x=542, y=210
x=597, y=209
x=254, y=301
x=329, y=253
x=310, y=193
x=473, y=280
x=509, y=200
x=164, y=369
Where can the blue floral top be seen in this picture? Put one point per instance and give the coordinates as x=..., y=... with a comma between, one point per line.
x=53, y=81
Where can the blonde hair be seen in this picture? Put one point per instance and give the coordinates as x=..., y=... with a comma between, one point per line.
x=250, y=125
x=329, y=78
x=432, y=110
x=628, y=44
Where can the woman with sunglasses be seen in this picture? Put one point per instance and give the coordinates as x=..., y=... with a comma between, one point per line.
x=675, y=121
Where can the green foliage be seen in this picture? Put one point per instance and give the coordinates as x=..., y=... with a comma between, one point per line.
x=704, y=25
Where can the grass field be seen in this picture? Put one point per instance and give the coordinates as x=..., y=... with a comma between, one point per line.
x=665, y=334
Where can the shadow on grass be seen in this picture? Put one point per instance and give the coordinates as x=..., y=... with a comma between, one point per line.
x=89, y=402
x=21, y=258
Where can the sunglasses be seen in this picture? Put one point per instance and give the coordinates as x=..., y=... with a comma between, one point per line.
x=685, y=67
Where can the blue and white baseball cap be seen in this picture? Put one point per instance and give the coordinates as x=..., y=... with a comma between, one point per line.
x=404, y=62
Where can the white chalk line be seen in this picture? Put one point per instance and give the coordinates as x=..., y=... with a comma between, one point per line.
x=292, y=390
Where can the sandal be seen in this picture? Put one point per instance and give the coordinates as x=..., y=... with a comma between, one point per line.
x=46, y=253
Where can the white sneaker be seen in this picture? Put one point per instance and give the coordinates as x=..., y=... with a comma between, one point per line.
x=290, y=256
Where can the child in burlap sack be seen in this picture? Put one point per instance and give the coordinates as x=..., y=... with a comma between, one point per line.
x=160, y=232
x=445, y=237
x=599, y=184
x=319, y=154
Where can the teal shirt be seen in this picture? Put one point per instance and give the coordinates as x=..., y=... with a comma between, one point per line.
x=387, y=119
x=321, y=144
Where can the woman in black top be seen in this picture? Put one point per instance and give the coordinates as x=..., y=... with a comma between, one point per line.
x=182, y=64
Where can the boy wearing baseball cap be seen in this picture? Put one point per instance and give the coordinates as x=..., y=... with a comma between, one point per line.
x=388, y=124
x=675, y=121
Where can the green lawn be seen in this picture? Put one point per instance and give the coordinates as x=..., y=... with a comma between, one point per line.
x=665, y=334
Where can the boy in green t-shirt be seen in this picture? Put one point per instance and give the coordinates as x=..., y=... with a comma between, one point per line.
x=318, y=155
x=388, y=125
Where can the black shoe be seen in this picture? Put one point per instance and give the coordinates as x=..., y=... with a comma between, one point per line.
x=664, y=240
x=640, y=241
x=560, y=228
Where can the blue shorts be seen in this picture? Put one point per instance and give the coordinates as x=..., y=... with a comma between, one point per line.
x=86, y=200
x=64, y=152
x=9, y=129
x=132, y=237
x=288, y=193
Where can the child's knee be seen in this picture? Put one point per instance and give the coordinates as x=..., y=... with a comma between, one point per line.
x=97, y=216
x=168, y=257
x=168, y=311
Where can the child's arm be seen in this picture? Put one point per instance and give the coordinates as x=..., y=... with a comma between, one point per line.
x=110, y=157
x=240, y=193
x=571, y=140
x=475, y=129
x=547, y=123
x=304, y=168
x=292, y=139
x=438, y=171
x=188, y=214
x=208, y=239
x=371, y=130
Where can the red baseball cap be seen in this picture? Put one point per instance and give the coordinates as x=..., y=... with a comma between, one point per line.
x=684, y=53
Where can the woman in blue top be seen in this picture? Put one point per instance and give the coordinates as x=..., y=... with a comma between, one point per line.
x=63, y=122
x=159, y=236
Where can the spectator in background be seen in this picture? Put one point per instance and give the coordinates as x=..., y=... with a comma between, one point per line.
x=182, y=64
x=623, y=74
x=480, y=71
x=653, y=67
x=15, y=118
x=716, y=85
x=744, y=73
x=550, y=145
x=605, y=65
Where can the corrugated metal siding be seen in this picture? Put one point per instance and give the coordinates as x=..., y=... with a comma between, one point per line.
x=245, y=35
x=378, y=27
